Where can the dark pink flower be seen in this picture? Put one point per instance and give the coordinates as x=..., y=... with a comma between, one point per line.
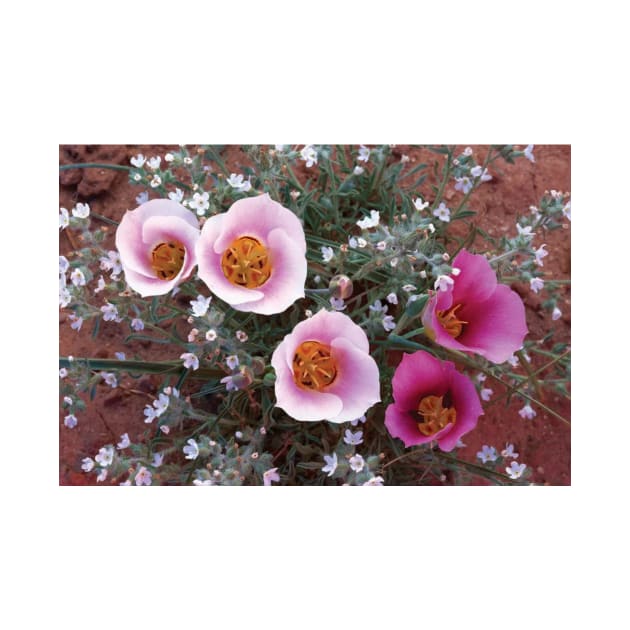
x=476, y=314
x=432, y=401
x=156, y=242
x=254, y=256
x=324, y=370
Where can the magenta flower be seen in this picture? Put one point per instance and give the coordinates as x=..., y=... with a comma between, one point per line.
x=432, y=401
x=253, y=256
x=324, y=370
x=156, y=242
x=474, y=313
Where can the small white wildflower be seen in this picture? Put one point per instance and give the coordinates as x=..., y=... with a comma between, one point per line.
x=63, y=372
x=361, y=243
x=482, y=173
x=124, y=441
x=374, y=481
x=536, y=284
x=357, y=463
x=408, y=288
x=158, y=459
x=338, y=303
x=211, y=335
x=242, y=336
x=137, y=324
x=81, y=211
x=156, y=181
x=67, y=400
x=161, y=404
x=381, y=246
x=271, y=475
x=100, y=285
x=485, y=393
x=419, y=204
x=236, y=181
x=404, y=158
x=228, y=381
x=468, y=151
x=442, y=283
x=154, y=163
x=327, y=253
x=87, y=464
x=528, y=152
x=200, y=203
x=378, y=307
x=487, y=454
x=308, y=312
x=354, y=439
x=460, y=444
x=309, y=155
x=393, y=262
x=137, y=177
x=463, y=184
x=138, y=160
x=188, y=160
x=358, y=170
x=392, y=298
x=192, y=450
x=191, y=360
x=513, y=360
x=232, y=361
x=388, y=323
x=527, y=412
x=364, y=154
x=111, y=263
x=102, y=475
x=508, y=451
x=442, y=213
x=64, y=219
x=539, y=254
x=200, y=305
x=331, y=464
x=526, y=231
x=110, y=378
x=77, y=322
x=352, y=242
x=556, y=313
x=481, y=377
x=515, y=470
x=165, y=429
x=77, y=278
x=176, y=196
x=355, y=422
x=169, y=157
x=369, y=222
x=566, y=210
x=110, y=312
x=143, y=477
x=70, y=421
x=105, y=456
x=63, y=264
x=431, y=228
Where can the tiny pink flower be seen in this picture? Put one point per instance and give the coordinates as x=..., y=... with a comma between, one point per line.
x=475, y=313
x=324, y=370
x=432, y=401
x=254, y=256
x=271, y=475
x=143, y=477
x=156, y=242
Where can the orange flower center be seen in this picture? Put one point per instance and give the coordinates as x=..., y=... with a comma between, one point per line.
x=435, y=416
x=246, y=263
x=313, y=366
x=450, y=322
x=167, y=259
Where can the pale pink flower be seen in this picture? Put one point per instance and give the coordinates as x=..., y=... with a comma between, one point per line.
x=254, y=256
x=324, y=370
x=271, y=475
x=156, y=242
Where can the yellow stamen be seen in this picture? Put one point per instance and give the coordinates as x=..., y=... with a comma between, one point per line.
x=435, y=415
x=246, y=263
x=167, y=259
x=451, y=323
x=313, y=366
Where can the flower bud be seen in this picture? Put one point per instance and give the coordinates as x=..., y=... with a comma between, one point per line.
x=258, y=365
x=341, y=287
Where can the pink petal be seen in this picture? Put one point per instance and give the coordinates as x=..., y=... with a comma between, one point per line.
x=357, y=383
x=257, y=217
x=497, y=326
x=401, y=424
x=468, y=406
x=147, y=285
x=288, y=274
x=164, y=207
x=418, y=375
x=476, y=281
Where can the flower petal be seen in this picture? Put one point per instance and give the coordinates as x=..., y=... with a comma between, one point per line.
x=476, y=280
x=418, y=375
x=497, y=325
x=400, y=424
x=357, y=383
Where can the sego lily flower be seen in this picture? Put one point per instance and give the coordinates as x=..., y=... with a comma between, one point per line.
x=324, y=370
x=253, y=256
x=432, y=401
x=476, y=314
x=156, y=242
